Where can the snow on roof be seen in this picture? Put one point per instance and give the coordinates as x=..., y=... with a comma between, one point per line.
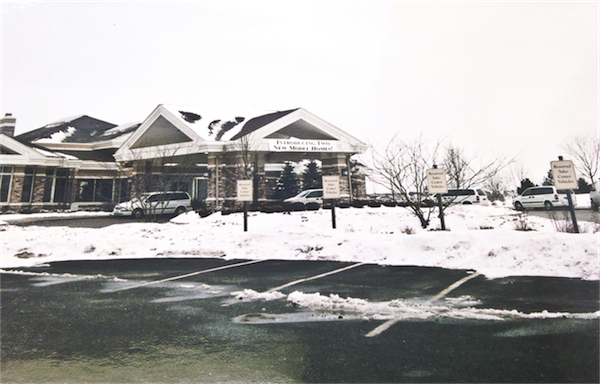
x=120, y=129
x=75, y=129
x=58, y=136
x=214, y=125
x=62, y=121
x=53, y=153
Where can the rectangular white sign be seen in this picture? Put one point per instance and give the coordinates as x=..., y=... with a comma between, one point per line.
x=244, y=190
x=331, y=187
x=303, y=146
x=563, y=173
x=436, y=181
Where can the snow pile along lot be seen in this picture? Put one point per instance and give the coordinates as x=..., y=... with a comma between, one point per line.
x=481, y=238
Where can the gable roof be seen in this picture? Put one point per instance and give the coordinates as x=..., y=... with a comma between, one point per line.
x=76, y=129
x=259, y=122
x=210, y=125
x=180, y=130
x=13, y=152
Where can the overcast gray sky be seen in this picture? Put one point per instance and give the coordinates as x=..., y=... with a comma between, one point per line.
x=497, y=78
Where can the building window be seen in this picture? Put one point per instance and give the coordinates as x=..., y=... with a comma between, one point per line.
x=28, y=181
x=55, y=189
x=180, y=186
x=200, y=190
x=94, y=190
x=5, y=183
x=124, y=190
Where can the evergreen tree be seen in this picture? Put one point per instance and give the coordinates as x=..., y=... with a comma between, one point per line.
x=549, y=179
x=288, y=184
x=583, y=186
x=525, y=183
x=312, y=176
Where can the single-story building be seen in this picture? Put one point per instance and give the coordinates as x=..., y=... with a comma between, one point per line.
x=85, y=163
x=59, y=166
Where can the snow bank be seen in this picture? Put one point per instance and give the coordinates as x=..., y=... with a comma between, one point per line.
x=481, y=238
x=463, y=307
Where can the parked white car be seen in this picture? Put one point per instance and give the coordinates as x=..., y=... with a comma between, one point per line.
x=465, y=196
x=155, y=203
x=543, y=197
x=595, y=196
x=308, y=196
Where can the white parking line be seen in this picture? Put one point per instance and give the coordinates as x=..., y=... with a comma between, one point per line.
x=302, y=281
x=315, y=277
x=187, y=275
x=453, y=287
x=385, y=326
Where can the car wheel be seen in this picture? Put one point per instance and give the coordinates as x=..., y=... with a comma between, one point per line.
x=518, y=206
x=548, y=205
x=179, y=211
x=595, y=206
x=138, y=213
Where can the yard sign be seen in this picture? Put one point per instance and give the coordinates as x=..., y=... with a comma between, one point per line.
x=436, y=181
x=331, y=191
x=244, y=193
x=436, y=185
x=331, y=187
x=244, y=190
x=563, y=173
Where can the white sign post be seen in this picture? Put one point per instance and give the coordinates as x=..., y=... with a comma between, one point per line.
x=331, y=191
x=563, y=174
x=244, y=193
x=437, y=184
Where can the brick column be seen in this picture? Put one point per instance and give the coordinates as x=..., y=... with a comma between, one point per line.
x=16, y=190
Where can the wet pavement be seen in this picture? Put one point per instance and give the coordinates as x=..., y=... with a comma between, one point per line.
x=135, y=321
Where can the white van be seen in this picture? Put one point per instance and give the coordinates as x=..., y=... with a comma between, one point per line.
x=155, y=203
x=543, y=197
x=308, y=196
x=465, y=196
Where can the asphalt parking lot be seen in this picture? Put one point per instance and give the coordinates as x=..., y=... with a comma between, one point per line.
x=191, y=320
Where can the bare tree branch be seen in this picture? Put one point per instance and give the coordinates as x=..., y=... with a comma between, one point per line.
x=463, y=173
x=402, y=167
x=585, y=151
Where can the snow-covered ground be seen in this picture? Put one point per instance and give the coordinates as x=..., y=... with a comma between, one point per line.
x=481, y=238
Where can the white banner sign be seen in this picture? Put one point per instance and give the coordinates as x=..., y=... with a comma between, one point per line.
x=303, y=146
x=563, y=173
x=436, y=181
x=244, y=190
x=331, y=187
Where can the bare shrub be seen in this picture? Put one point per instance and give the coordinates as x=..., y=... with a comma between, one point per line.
x=562, y=223
x=408, y=230
x=308, y=249
x=522, y=223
